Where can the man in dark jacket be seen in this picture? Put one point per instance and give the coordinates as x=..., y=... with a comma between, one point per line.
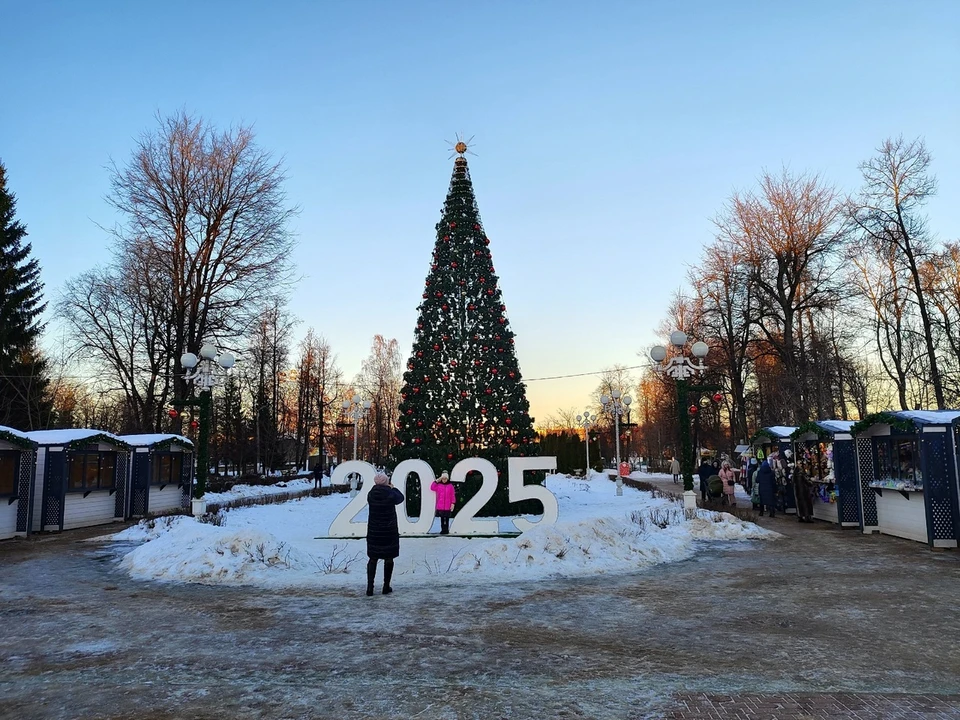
x=383, y=532
x=705, y=472
x=767, y=483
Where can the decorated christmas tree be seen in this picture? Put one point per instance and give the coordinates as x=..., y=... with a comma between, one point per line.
x=462, y=394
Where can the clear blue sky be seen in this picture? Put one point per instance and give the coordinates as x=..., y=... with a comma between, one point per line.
x=608, y=134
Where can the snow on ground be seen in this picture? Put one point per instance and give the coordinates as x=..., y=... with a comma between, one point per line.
x=280, y=546
x=249, y=491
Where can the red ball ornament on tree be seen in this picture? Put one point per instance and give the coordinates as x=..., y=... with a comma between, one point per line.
x=693, y=409
x=446, y=377
x=453, y=264
x=172, y=412
x=194, y=424
x=490, y=292
x=717, y=397
x=449, y=456
x=436, y=347
x=512, y=374
x=419, y=353
x=416, y=441
x=508, y=421
x=453, y=224
x=489, y=391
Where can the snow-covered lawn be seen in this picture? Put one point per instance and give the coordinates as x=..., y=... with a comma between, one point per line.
x=278, y=545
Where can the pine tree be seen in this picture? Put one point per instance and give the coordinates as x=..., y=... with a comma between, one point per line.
x=23, y=371
x=462, y=392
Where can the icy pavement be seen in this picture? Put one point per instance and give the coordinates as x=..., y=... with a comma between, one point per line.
x=820, y=611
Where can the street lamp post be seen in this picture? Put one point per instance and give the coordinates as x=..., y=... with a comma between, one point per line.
x=616, y=404
x=200, y=371
x=354, y=409
x=586, y=421
x=683, y=369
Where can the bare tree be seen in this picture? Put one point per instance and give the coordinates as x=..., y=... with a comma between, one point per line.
x=896, y=184
x=208, y=209
x=380, y=380
x=791, y=236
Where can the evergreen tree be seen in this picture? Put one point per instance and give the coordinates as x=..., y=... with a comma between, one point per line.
x=462, y=393
x=23, y=373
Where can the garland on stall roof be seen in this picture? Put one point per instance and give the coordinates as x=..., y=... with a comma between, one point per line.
x=81, y=443
x=16, y=440
x=883, y=418
x=166, y=443
x=810, y=427
x=764, y=433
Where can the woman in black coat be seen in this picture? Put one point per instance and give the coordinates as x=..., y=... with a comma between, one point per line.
x=383, y=533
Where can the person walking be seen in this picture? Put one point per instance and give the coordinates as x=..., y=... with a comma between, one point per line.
x=446, y=500
x=383, y=532
x=706, y=471
x=729, y=484
x=803, y=493
x=317, y=475
x=767, y=484
x=675, y=470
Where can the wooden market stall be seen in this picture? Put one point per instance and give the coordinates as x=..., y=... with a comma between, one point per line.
x=161, y=471
x=81, y=479
x=17, y=464
x=826, y=450
x=770, y=438
x=907, y=471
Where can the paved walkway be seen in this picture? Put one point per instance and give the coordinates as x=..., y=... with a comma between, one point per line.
x=823, y=623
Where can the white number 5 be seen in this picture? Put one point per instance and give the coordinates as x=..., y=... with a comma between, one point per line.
x=517, y=491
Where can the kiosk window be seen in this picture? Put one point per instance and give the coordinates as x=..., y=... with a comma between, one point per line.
x=9, y=462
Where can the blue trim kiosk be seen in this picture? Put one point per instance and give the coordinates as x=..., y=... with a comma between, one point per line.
x=907, y=471
x=826, y=450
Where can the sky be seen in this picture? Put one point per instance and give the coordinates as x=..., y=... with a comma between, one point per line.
x=607, y=136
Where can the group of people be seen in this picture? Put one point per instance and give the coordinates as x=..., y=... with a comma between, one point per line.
x=771, y=481
x=383, y=531
x=714, y=482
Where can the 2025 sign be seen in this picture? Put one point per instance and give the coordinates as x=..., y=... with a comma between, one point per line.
x=465, y=521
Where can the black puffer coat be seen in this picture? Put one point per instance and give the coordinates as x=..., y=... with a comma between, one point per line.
x=383, y=535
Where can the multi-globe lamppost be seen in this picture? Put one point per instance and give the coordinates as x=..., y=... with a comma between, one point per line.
x=200, y=371
x=683, y=369
x=354, y=409
x=616, y=406
x=586, y=421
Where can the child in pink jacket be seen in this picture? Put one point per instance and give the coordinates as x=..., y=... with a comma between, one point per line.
x=446, y=500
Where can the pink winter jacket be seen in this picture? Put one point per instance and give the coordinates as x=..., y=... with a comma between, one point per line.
x=725, y=475
x=446, y=496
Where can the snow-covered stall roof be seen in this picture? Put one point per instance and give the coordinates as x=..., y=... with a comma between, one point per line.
x=930, y=417
x=15, y=437
x=775, y=432
x=74, y=437
x=836, y=426
x=156, y=441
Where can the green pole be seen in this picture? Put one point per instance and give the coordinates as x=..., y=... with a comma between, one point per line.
x=686, y=452
x=203, y=452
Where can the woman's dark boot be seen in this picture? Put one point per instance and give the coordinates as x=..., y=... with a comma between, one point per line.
x=387, y=574
x=371, y=574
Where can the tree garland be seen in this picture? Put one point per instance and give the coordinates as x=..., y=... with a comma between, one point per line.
x=765, y=433
x=884, y=418
x=17, y=440
x=811, y=427
x=81, y=443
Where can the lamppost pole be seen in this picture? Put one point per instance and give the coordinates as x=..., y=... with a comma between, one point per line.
x=586, y=422
x=616, y=406
x=200, y=371
x=682, y=369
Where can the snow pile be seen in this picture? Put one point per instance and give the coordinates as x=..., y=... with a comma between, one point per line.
x=278, y=545
x=249, y=491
